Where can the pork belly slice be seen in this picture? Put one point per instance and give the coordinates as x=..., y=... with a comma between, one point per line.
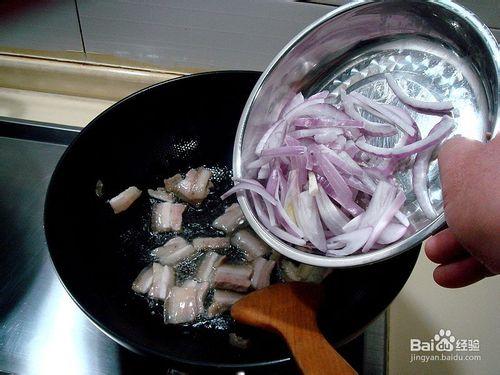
x=208, y=265
x=167, y=217
x=211, y=243
x=222, y=301
x=185, y=303
x=233, y=276
x=174, y=251
x=161, y=194
x=225, y=297
x=201, y=289
x=143, y=281
x=163, y=281
x=216, y=309
x=231, y=219
x=175, y=243
x=194, y=188
x=250, y=244
x=262, y=269
x=181, y=305
x=125, y=199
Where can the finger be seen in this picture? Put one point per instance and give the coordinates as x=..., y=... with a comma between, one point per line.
x=444, y=247
x=461, y=273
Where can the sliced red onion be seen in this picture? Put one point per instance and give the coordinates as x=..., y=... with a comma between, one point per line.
x=343, y=194
x=282, y=187
x=264, y=219
x=263, y=172
x=245, y=185
x=309, y=160
x=326, y=138
x=385, y=203
x=382, y=197
x=284, y=235
x=332, y=217
x=358, y=185
x=405, y=116
x=350, y=148
x=370, y=128
x=299, y=163
x=292, y=192
x=259, y=209
x=284, y=151
x=304, y=133
x=309, y=221
x=271, y=187
x=313, y=184
x=272, y=182
x=341, y=141
x=318, y=110
x=384, y=220
x=278, y=127
x=325, y=122
x=426, y=107
x=255, y=186
x=379, y=110
x=402, y=218
x=376, y=172
x=294, y=102
x=419, y=175
x=263, y=141
x=391, y=233
x=320, y=95
x=420, y=170
x=323, y=152
x=353, y=224
x=387, y=166
x=342, y=160
x=301, y=109
x=368, y=182
x=271, y=213
x=325, y=185
x=351, y=242
x=292, y=141
x=280, y=233
x=445, y=128
x=285, y=212
x=258, y=163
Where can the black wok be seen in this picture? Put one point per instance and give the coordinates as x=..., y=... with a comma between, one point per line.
x=155, y=133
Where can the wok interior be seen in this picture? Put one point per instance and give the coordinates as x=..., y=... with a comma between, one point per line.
x=156, y=133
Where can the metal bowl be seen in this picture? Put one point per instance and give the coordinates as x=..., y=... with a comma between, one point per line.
x=437, y=50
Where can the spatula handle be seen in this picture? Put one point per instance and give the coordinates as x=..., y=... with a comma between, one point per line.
x=314, y=354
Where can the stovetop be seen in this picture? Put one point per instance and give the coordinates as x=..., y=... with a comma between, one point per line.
x=42, y=331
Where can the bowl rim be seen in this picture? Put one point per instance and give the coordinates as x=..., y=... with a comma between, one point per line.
x=393, y=249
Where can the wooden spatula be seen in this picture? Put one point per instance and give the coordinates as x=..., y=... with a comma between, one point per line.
x=290, y=309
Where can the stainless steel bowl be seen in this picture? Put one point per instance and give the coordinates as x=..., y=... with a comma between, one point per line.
x=437, y=49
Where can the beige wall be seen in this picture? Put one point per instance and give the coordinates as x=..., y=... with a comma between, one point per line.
x=423, y=308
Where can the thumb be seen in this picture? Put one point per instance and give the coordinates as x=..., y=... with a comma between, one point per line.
x=470, y=179
x=458, y=149
x=456, y=158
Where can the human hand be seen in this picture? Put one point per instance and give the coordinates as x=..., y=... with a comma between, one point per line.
x=469, y=249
